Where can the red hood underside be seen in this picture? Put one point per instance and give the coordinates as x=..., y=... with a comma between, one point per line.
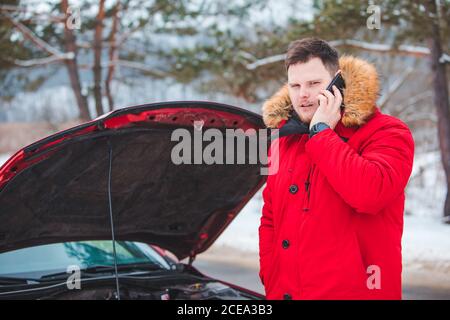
x=56, y=190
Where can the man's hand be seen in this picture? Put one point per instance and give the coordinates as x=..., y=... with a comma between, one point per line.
x=329, y=110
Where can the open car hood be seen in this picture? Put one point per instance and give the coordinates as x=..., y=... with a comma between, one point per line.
x=56, y=190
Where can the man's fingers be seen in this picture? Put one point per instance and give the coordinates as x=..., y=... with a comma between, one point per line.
x=329, y=96
x=338, y=97
x=322, y=100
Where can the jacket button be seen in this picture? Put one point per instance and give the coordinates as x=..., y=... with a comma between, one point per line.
x=293, y=188
x=285, y=244
x=287, y=296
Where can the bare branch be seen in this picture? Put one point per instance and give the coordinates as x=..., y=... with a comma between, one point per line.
x=35, y=14
x=141, y=67
x=402, y=108
x=131, y=65
x=264, y=61
x=34, y=38
x=124, y=37
x=43, y=61
x=56, y=55
x=247, y=55
x=395, y=86
x=84, y=44
x=374, y=47
x=381, y=47
x=420, y=117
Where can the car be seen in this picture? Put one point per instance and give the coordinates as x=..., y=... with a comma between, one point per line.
x=101, y=211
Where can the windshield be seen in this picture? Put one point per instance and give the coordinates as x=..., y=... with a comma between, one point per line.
x=84, y=254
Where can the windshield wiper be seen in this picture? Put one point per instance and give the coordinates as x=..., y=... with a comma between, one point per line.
x=94, y=271
x=10, y=281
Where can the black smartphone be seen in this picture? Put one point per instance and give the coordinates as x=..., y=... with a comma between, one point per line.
x=339, y=82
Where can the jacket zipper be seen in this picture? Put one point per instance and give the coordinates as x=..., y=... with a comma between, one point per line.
x=308, y=189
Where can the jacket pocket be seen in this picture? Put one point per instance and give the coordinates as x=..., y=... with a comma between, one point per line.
x=308, y=186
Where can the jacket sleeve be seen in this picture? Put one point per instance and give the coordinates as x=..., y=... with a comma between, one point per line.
x=371, y=179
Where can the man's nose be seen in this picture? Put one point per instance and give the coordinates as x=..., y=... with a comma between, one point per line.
x=304, y=93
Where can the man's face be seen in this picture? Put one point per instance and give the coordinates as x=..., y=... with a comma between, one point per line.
x=306, y=80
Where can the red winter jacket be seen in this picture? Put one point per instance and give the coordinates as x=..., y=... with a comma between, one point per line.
x=332, y=219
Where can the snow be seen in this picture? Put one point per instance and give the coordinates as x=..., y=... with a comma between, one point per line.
x=3, y=158
x=445, y=58
x=242, y=233
x=426, y=239
x=426, y=191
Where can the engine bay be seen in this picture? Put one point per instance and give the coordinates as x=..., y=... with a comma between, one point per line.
x=194, y=291
x=181, y=287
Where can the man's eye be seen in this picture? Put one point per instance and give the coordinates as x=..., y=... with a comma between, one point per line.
x=315, y=82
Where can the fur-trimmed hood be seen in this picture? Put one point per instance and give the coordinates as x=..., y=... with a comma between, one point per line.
x=360, y=95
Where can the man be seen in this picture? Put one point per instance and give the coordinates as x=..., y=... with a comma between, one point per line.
x=332, y=219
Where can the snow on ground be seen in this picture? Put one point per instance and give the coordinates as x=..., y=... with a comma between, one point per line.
x=425, y=194
x=426, y=240
x=242, y=233
x=3, y=158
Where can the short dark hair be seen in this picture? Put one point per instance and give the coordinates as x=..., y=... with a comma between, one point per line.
x=305, y=49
